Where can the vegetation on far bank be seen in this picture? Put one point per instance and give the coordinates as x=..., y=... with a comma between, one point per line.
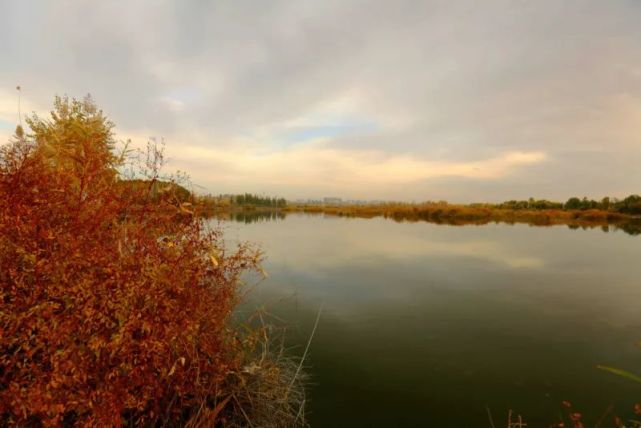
x=575, y=212
x=241, y=202
x=116, y=296
x=621, y=214
x=439, y=210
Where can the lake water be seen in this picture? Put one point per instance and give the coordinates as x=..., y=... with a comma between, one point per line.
x=430, y=325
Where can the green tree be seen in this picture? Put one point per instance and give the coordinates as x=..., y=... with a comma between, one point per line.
x=573, y=203
x=630, y=205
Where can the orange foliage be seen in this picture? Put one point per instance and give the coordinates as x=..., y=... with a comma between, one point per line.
x=115, y=304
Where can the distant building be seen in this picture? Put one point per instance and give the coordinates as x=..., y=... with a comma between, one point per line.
x=332, y=201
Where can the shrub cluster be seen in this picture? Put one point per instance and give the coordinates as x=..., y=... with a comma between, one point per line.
x=115, y=298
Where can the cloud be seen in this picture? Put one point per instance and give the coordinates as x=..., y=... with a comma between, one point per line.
x=499, y=98
x=173, y=104
x=316, y=166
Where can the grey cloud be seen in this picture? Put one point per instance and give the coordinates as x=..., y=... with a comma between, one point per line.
x=465, y=80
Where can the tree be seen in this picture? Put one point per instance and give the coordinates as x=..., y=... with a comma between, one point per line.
x=629, y=205
x=77, y=139
x=573, y=203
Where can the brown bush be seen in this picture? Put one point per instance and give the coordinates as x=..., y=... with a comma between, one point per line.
x=115, y=300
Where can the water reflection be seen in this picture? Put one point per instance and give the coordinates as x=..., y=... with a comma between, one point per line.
x=425, y=325
x=248, y=217
x=632, y=227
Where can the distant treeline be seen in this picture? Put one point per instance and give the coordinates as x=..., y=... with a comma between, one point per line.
x=242, y=201
x=631, y=205
x=261, y=201
x=622, y=214
x=628, y=205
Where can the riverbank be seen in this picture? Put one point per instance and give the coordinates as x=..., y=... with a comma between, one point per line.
x=465, y=214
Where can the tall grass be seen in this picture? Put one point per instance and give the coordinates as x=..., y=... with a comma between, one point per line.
x=466, y=214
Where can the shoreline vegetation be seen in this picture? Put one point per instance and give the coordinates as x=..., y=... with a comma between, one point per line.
x=607, y=214
x=460, y=215
x=117, y=296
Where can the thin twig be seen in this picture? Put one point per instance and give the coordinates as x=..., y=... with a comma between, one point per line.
x=489, y=415
x=603, y=416
x=309, y=342
x=243, y=411
x=300, y=410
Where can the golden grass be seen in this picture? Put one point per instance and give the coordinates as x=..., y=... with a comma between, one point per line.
x=465, y=214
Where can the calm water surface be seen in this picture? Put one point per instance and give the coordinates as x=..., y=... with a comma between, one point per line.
x=427, y=325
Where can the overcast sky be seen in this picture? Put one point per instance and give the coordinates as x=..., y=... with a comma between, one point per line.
x=413, y=100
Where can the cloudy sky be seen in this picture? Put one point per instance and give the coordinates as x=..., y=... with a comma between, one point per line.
x=412, y=100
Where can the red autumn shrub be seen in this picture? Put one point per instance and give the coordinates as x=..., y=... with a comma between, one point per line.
x=115, y=297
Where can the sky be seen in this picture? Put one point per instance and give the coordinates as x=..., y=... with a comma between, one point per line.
x=397, y=100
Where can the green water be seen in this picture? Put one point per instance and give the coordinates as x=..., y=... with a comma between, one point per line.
x=429, y=325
